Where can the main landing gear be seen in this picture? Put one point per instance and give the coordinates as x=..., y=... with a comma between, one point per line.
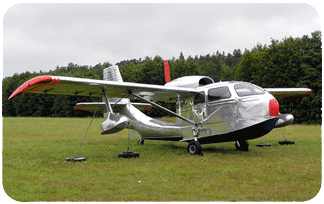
x=242, y=145
x=140, y=142
x=194, y=148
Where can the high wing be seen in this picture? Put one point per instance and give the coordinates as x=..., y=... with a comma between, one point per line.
x=288, y=94
x=59, y=85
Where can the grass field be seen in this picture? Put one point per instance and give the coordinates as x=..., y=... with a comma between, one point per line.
x=34, y=167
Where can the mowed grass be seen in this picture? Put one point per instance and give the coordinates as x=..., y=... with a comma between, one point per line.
x=34, y=167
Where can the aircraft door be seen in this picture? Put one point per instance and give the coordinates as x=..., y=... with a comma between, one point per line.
x=198, y=106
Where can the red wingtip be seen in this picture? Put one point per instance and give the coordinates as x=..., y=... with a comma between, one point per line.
x=35, y=84
x=309, y=91
x=167, y=72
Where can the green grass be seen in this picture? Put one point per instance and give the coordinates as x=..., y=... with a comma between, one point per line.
x=34, y=168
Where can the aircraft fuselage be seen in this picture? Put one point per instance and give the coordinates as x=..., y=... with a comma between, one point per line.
x=224, y=111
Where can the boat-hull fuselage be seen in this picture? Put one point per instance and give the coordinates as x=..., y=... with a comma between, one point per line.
x=225, y=112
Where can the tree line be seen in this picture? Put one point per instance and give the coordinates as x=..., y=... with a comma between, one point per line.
x=290, y=62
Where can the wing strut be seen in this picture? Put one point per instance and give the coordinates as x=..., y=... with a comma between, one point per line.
x=106, y=100
x=165, y=109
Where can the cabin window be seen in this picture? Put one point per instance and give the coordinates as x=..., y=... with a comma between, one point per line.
x=219, y=93
x=247, y=90
x=199, y=98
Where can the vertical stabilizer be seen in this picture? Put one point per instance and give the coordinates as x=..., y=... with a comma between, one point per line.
x=167, y=72
x=112, y=74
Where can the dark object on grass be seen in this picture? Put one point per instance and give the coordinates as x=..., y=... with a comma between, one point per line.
x=74, y=159
x=128, y=154
x=263, y=145
x=286, y=142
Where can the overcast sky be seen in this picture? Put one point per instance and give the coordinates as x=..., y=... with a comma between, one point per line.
x=41, y=36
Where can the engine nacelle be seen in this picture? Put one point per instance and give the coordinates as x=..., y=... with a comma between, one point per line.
x=190, y=81
x=114, y=123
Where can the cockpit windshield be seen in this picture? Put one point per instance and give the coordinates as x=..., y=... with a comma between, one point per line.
x=246, y=89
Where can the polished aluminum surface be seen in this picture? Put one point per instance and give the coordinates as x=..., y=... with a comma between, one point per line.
x=213, y=115
x=190, y=81
x=112, y=73
x=148, y=127
x=284, y=120
x=114, y=123
x=229, y=113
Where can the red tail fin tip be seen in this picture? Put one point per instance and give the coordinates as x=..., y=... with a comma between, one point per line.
x=167, y=72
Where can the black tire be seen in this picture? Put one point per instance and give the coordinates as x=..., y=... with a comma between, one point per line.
x=128, y=154
x=242, y=145
x=140, y=142
x=194, y=147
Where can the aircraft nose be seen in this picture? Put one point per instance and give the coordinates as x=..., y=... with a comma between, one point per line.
x=274, y=107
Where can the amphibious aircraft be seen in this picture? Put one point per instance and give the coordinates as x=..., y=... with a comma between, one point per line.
x=207, y=112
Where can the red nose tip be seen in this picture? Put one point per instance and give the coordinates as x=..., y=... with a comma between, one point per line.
x=274, y=107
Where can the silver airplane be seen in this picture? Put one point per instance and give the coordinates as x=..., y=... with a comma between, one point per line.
x=207, y=112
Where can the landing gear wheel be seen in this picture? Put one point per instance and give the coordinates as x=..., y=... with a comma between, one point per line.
x=194, y=147
x=242, y=145
x=128, y=154
x=140, y=142
x=286, y=142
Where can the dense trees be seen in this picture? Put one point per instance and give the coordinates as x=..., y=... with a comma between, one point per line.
x=290, y=62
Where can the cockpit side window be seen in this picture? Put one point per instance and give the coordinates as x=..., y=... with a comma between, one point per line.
x=199, y=98
x=219, y=93
x=247, y=90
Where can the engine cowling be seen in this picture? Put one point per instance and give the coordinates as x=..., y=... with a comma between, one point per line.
x=190, y=81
